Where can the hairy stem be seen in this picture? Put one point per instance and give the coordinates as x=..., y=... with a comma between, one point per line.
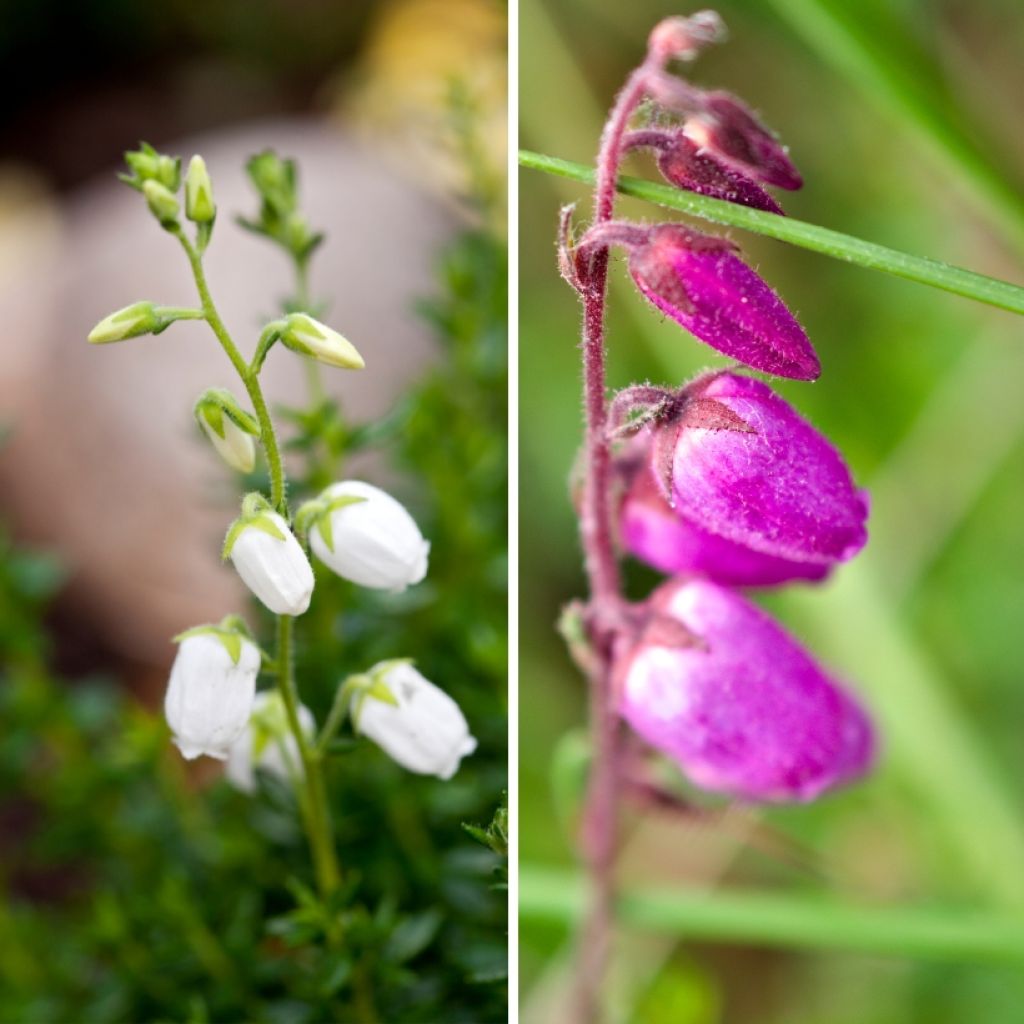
x=317, y=814
x=599, y=818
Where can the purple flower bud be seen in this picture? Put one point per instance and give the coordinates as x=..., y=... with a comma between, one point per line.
x=699, y=282
x=652, y=531
x=775, y=485
x=727, y=127
x=743, y=709
x=683, y=164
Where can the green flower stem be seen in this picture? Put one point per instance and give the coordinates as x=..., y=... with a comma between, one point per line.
x=317, y=814
x=314, y=376
x=268, y=436
x=967, y=283
x=558, y=896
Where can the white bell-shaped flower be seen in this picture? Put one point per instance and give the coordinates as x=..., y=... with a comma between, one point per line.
x=423, y=730
x=267, y=743
x=269, y=559
x=211, y=690
x=366, y=536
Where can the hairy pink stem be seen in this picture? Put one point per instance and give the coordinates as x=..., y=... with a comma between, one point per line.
x=599, y=817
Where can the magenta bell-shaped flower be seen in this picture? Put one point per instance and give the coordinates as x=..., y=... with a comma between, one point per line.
x=701, y=283
x=742, y=709
x=652, y=531
x=738, y=462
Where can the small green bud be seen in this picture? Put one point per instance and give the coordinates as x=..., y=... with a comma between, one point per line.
x=168, y=172
x=199, y=205
x=274, y=178
x=146, y=164
x=130, y=322
x=162, y=202
x=303, y=334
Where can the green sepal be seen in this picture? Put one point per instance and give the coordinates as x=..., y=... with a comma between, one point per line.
x=216, y=403
x=256, y=513
x=318, y=513
x=230, y=631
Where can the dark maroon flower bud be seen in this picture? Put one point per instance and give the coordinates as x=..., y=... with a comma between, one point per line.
x=744, y=710
x=700, y=282
x=776, y=486
x=728, y=128
x=683, y=164
x=654, y=532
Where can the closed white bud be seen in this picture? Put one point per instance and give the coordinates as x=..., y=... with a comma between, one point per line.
x=234, y=446
x=267, y=744
x=131, y=322
x=271, y=562
x=229, y=427
x=302, y=333
x=199, y=205
x=211, y=690
x=423, y=730
x=372, y=541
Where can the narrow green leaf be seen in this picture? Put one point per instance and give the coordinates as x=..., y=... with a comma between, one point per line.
x=934, y=273
x=785, y=920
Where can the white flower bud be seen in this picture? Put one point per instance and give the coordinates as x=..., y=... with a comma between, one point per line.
x=271, y=563
x=199, y=205
x=424, y=730
x=229, y=427
x=267, y=743
x=373, y=541
x=235, y=446
x=131, y=322
x=211, y=690
x=303, y=334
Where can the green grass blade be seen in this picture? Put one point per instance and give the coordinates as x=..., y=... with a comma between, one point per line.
x=934, y=273
x=883, y=61
x=558, y=896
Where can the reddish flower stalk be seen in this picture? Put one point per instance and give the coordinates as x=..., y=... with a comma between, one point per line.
x=596, y=526
x=723, y=480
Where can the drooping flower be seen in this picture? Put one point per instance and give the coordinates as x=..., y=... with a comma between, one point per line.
x=229, y=427
x=421, y=727
x=699, y=282
x=211, y=689
x=743, y=709
x=683, y=164
x=269, y=559
x=366, y=536
x=267, y=743
x=655, y=533
x=729, y=129
x=741, y=464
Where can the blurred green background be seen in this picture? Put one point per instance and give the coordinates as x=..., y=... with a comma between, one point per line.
x=904, y=119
